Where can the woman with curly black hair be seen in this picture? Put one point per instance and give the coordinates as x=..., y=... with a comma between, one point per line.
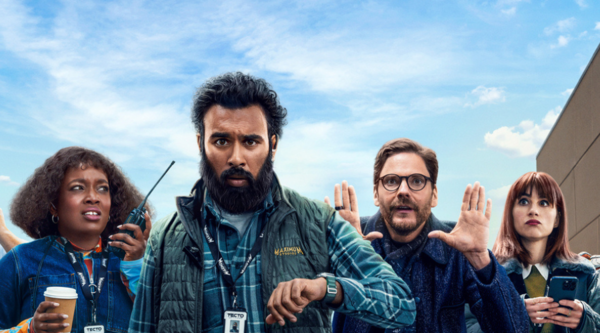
x=73, y=205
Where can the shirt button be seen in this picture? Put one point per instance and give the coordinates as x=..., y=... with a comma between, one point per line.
x=418, y=300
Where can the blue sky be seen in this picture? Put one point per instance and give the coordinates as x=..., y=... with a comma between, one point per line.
x=480, y=82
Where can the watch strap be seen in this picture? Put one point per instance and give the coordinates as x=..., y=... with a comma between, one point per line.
x=331, y=288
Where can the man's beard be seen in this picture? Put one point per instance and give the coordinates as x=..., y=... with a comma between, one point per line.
x=237, y=199
x=405, y=229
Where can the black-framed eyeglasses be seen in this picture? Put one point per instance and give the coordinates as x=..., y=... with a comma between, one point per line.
x=415, y=182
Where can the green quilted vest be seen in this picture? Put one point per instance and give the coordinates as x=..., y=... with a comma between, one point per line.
x=294, y=246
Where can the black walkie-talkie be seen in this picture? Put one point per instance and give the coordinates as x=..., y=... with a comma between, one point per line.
x=137, y=217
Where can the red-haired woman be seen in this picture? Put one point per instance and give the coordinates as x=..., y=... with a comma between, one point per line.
x=533, y=246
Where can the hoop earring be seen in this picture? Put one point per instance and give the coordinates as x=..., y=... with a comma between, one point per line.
x=55, y=221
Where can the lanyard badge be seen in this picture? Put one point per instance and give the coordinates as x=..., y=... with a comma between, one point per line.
x=235, y=320
x=90, y=290
x=94, y=329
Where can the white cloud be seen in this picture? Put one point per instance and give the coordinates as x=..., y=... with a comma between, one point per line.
x=333, y=154
x=597, y=26
x=6, y=180
x=560, y=26
x=567, y=92
x=562, y=41
x=509, y=12
x=95, y=76
x=523, y=140
x=499, y=195
x=581, y=3
x=486, y=96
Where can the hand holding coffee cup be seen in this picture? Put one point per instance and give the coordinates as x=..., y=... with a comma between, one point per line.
x=56, y=313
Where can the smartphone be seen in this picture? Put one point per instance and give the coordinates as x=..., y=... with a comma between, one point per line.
x=559, y=288
x=562, y=287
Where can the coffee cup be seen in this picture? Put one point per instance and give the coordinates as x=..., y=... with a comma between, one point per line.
x=66, y=298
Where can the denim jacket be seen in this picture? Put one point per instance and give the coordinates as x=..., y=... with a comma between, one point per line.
x=18, y=271
x=442, y=281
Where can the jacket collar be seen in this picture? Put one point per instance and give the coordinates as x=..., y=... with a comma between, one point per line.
x=583, y=265
x=190, y=207
x=434, y=248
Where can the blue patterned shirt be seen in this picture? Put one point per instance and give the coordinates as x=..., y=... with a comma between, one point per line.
x=372, y=291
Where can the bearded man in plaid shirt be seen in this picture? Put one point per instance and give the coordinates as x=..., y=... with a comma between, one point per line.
x=244, y=253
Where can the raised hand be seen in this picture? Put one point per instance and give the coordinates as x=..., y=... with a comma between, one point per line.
x=8, y=240
x=134, y=247
x=471, y=233
x=346, y=199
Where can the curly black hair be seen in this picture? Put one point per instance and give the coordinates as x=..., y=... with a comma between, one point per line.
x=238, y=90
x=30, y=208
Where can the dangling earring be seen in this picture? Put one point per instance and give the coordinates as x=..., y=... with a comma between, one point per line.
x=57, y=218
x=108, y=218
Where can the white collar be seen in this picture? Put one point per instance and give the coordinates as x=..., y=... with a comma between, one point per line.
x=541, y=267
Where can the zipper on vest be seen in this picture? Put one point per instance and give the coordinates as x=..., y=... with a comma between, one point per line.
x=199, y=294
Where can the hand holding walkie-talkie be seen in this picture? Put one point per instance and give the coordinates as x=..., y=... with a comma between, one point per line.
x=136, y=217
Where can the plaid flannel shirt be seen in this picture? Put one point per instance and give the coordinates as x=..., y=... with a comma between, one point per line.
x=372, y=291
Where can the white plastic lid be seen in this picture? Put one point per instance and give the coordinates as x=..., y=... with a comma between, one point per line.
x=60, y=293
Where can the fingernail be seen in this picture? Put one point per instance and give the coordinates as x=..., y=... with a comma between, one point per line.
x=65, y=316
x=119, y=226
x=55, y=304
x=110, y=236
x=65, y=325
x=293, y=320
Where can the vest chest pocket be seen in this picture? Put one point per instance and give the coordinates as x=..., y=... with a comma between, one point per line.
x=290, y=260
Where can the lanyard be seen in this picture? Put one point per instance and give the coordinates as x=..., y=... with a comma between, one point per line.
x=90, y=290
x=214, y=249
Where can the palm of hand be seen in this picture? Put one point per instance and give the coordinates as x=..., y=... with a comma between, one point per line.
x=347, y=207
x=471, y=232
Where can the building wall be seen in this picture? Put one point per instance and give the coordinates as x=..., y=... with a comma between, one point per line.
x=571, y=155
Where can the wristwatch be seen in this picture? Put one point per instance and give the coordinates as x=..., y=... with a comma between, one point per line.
x=331, y=287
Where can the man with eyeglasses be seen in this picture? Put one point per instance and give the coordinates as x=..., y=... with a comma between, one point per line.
x=445, y=264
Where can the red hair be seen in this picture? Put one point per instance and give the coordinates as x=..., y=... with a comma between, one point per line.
x=508, y=243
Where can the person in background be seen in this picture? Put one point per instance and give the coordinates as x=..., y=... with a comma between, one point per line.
x=533, y=246
x=72, y=206
x=445, y=264
x=8, y=240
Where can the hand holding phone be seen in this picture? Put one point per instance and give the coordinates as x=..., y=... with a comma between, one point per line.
x=562, y=288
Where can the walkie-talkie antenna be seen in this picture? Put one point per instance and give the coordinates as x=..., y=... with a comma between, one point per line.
x=161, y=177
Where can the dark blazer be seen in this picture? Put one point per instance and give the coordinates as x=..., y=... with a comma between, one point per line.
x=442, y=281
